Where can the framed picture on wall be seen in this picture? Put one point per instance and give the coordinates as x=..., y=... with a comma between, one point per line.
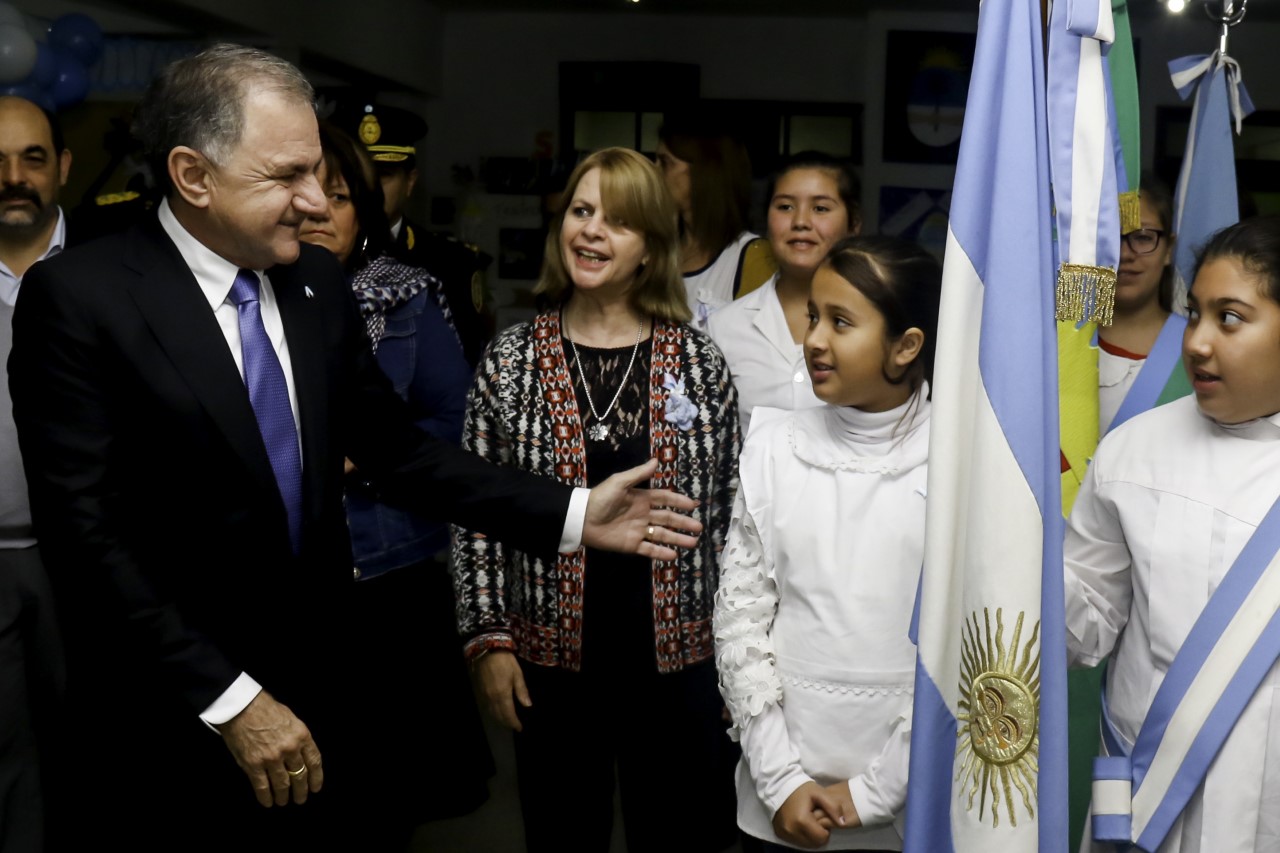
x=918, y=215
x=926, y=83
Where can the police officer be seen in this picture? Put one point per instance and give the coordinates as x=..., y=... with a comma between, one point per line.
x=389, y=134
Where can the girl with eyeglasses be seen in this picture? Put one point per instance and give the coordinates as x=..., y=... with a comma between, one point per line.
x=1144, y=288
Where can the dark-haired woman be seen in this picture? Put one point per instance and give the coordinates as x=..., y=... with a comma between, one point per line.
x=1167, y=535
x=813, y=204
x=708, y=173
x=1143, y=314
x=599, y=661
x=414, y=681
x=823, y=559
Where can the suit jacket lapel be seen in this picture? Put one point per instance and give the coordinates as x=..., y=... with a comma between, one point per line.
x=303, y=330
x=175, y=309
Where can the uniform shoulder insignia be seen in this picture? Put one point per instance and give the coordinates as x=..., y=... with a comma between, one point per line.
x=115, y=198
x=755, y=266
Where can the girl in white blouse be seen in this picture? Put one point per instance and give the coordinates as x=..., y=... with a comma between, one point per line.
x=1167, y=505
x=813, y=203
x=820, y=568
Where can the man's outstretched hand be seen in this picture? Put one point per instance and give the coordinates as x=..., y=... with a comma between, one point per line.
x=623, y=517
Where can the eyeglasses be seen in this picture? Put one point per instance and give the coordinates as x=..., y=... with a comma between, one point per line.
x=1144, y=241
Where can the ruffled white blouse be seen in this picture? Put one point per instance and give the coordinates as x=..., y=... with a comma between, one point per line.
x=817, y=583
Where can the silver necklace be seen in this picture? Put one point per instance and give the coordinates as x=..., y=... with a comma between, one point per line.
x=599, y=431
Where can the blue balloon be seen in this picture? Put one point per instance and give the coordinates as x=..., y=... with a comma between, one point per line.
x=46, y=68
x=71, y=82
x=39, y=97
x=79, y=35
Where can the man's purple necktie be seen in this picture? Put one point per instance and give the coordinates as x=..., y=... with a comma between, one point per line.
x=269, y=396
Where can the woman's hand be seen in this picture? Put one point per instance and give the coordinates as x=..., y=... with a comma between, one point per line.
x=806, y=817
x=497, y=678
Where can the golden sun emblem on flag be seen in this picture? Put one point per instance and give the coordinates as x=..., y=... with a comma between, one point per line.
x=999, y=714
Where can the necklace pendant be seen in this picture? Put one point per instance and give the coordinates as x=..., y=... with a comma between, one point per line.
x=598, y=432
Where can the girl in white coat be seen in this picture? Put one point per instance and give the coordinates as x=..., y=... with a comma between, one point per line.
x=1167, y=505
x=813, y=204
x=820, y=568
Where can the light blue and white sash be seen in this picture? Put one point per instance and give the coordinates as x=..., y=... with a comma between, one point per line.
x=1137, y=797
x=1083, y=159
x=1164, y=358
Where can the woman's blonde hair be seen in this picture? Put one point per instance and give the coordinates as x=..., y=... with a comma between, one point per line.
x=632, y=193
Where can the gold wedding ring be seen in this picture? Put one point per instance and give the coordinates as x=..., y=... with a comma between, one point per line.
x=296, y=773
x=649, y=533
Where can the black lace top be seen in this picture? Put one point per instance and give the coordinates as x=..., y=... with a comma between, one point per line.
x=617, y=591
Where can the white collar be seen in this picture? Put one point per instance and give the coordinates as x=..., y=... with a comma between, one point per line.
x=214, y=273
x=9, y=283
x=770, y=320
x=57, y=240
x=1258, y=429
x=845, y=438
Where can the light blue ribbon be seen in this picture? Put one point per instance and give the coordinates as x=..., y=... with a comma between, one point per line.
x=1071, y=25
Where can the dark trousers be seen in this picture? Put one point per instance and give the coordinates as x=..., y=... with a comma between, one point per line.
x=31, y=680
x=662, y=733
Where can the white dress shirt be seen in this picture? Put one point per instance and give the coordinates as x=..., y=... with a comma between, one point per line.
x=216, y=275
x=812, y=613
x=9, y=282
x=1167, y=504
x=767, y=365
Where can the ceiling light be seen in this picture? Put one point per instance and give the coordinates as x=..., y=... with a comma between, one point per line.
x=1176, y=6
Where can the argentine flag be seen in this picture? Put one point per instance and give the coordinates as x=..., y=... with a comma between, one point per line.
x=988, y=745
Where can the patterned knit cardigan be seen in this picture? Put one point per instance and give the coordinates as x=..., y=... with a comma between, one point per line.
x=522, y=411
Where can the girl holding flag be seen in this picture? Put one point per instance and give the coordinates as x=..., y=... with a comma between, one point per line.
x=1172, y=574
x=820, y=568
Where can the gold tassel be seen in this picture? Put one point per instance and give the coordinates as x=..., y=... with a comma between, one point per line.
x=1085, y=293
x=1130, y=211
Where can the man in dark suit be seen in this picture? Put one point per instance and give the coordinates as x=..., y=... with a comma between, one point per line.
x=185, y=394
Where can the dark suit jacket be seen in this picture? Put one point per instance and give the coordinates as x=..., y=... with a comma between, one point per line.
x=154, y=498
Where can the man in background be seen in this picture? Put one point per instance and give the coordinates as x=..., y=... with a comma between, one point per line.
x=33, y=167
x=390, y=135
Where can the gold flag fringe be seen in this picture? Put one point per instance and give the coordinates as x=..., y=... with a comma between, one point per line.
x=1130, y=211
x=1085, y=293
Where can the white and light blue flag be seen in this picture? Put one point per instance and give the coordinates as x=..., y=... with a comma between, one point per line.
x=988, y=746
x=1205, y=200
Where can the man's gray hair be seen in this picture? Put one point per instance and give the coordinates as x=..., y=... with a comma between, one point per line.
x=198, y=101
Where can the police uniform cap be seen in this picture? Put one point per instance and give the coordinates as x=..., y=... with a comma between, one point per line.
x=388, y=133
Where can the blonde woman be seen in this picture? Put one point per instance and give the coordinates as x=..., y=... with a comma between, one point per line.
x=594, y=661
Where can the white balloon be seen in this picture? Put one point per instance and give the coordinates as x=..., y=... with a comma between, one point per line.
x=10, y=15
x=17, y=53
